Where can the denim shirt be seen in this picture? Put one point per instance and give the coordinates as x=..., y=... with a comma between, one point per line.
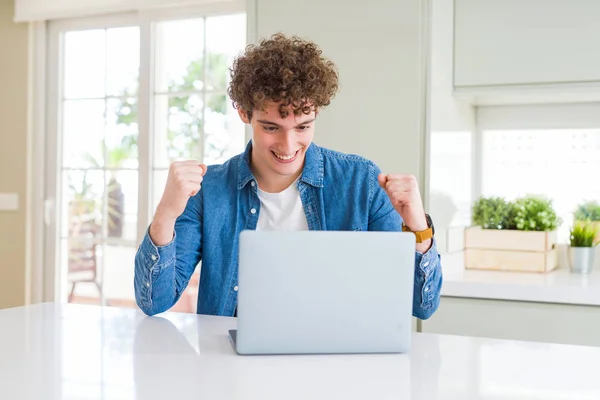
x=338, y=192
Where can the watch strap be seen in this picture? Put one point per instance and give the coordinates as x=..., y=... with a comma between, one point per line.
x=420, y=235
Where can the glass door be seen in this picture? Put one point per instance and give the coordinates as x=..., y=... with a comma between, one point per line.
x=129, y=96
x=98, y=164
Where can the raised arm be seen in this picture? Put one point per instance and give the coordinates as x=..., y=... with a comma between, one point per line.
x=383, y=216
x=171, y=248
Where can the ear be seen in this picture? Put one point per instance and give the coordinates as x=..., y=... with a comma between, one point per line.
x=243, y=116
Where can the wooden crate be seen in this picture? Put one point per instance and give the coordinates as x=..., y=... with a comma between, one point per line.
x=510, y=250
x=494, y=239
x=507, y=260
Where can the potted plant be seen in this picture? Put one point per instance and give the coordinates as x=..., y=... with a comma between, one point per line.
x=83, y=206
x=492, y=213
x=515, y=235
x=583, y=243
x=116, y=157
x=534, y=213
x=589, y=211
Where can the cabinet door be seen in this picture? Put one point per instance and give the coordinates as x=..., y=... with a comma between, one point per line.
x=515, y=320
x=516, y=42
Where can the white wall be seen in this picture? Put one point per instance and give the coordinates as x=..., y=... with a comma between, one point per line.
x=379, y=49
x=452, y=127
x=447, y=114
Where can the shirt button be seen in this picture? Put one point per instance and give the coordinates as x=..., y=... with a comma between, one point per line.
x=426, y=264
x=153, y=257
x=235, y=288
x=253, y=211
x=252, y=183
x=426, y=288
x=147, y=284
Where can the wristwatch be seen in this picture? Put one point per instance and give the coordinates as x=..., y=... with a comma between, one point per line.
x=422, y=235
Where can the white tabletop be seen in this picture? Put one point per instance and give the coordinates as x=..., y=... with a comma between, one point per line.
x=560, y=286
x=52, y=352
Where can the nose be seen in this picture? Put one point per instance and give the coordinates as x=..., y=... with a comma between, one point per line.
x=288, y=141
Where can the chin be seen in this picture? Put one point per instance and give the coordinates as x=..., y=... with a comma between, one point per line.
x=289, y=168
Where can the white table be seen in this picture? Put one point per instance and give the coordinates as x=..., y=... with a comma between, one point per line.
x=51, y=351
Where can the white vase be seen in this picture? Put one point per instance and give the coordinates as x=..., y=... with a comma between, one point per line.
x=581, y=259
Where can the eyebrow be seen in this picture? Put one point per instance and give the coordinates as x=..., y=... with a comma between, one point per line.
x=264, y=121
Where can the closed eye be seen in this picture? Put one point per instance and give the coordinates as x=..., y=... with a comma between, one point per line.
x=270, y=128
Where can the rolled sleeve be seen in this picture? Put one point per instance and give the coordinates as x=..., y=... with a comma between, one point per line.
x=428, y=282
x=157, y=256
x=427, y=261
x=149, y=261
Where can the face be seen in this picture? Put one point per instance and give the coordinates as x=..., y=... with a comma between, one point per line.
x=279, y=144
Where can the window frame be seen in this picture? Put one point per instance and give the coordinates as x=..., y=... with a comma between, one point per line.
x=50, y=286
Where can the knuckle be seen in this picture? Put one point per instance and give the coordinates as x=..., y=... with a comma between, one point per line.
x=179, y=180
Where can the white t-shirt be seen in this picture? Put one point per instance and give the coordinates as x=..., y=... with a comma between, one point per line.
x=281, y=211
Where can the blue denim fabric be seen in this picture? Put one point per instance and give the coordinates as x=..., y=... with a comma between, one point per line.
x=338, y=191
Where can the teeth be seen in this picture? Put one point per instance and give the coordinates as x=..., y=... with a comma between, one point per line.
x=285, y=158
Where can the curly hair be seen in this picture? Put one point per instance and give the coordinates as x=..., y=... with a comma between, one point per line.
x=290, y=71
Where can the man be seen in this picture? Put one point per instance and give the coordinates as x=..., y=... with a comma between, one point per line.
x=283, y=181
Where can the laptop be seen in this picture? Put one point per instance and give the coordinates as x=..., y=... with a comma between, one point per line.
x=324, y=292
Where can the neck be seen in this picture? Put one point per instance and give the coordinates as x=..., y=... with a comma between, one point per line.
x=271, y=182
x=276, y=185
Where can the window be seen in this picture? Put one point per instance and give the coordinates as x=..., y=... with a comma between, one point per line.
x=558, y=163
x=127, y=96
x=194, y=118
x=450, y=178
x=551, y=150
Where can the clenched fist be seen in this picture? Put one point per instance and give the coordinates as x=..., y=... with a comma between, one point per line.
x=184, y=181
x=403, y=191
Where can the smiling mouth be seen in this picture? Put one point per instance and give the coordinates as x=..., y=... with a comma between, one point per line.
x=286, y=158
